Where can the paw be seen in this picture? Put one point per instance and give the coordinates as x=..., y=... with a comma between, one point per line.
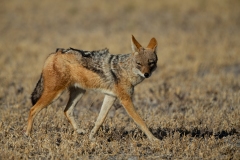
x=80, y=131
x=91, y=137
x=25, y=134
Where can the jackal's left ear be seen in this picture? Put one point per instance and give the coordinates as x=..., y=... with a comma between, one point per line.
x=152, y=44
x=135, y=45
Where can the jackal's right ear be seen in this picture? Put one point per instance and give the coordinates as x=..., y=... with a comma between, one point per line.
x=135, y=45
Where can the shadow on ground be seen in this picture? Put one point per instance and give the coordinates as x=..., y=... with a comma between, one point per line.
x=162, y=133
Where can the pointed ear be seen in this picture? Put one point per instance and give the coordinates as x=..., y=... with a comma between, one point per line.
x=135, y=45
x=152, y=44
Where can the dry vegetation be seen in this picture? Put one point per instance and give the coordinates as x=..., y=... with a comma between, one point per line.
x=191, y=103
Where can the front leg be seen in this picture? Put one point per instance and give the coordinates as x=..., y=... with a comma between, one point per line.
x=126, y=101
x=107, y=104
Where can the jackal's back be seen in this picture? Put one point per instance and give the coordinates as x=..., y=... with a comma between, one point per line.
x=110, y=68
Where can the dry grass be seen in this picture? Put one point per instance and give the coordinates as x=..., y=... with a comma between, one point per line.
x=192, y=101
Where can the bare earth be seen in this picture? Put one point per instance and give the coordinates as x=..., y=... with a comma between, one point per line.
x=191, y=102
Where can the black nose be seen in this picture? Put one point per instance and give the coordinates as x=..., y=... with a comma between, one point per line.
x=146, y=75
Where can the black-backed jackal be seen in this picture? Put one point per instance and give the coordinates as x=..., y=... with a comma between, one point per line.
x=78, y=70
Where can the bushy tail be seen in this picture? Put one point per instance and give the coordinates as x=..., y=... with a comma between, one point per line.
x=37, y=91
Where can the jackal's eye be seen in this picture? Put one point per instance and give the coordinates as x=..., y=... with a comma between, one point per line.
x=139, y=64
x=151, y=64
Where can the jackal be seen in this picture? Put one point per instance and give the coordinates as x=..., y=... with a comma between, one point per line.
x=78, y=70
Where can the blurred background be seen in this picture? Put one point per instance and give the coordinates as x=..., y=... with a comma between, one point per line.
x=193, y=30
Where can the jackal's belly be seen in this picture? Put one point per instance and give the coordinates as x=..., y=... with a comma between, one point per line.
x=99, y=89
x=109, y=92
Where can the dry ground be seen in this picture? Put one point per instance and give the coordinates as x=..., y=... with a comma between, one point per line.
x=191, y=103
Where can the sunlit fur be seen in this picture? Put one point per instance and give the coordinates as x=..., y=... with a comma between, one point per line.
x=78, y=71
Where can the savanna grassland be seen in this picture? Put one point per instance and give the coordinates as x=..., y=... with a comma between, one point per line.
x=191, y=102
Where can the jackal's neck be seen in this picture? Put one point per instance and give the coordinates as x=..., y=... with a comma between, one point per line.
x=122, y=68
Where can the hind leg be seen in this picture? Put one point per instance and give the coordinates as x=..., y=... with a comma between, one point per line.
x=75, y=95
x=46, y=98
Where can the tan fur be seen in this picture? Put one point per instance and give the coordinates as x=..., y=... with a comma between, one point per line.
x=114, y=75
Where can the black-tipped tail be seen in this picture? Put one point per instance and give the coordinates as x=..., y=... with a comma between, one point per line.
x=37, y=91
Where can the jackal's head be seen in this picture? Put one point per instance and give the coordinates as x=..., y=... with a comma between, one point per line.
x=144, y=59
